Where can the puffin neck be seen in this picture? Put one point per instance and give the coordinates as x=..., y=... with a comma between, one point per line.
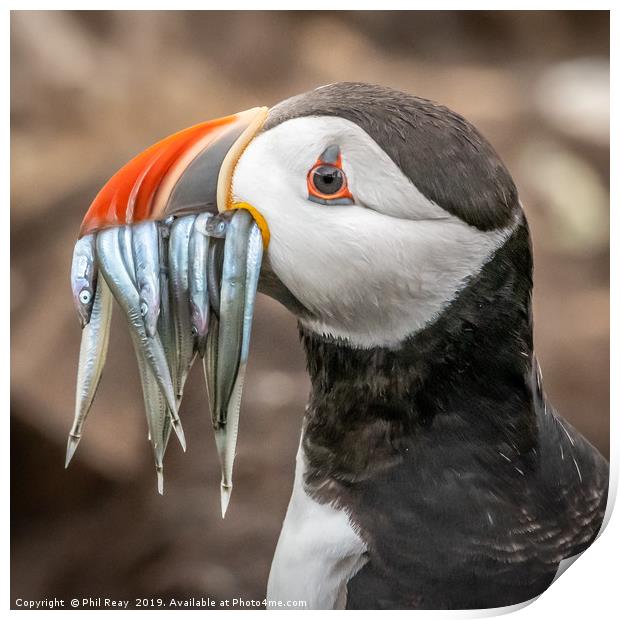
x=467, y=374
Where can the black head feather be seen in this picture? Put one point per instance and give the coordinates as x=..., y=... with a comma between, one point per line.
x=445, y=157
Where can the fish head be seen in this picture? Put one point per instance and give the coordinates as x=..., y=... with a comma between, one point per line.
x=84, y=278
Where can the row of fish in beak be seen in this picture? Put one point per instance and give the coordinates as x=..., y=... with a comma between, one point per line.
x=186, y=287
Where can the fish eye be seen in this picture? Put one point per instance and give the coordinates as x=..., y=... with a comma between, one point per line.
x=85, y=296
x=144, y=308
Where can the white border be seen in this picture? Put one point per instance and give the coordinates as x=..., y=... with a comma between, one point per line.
x=588, y=588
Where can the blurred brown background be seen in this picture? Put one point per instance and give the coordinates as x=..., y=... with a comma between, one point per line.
x=91, y=89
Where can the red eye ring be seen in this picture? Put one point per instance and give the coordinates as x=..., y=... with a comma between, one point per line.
x=327, y=181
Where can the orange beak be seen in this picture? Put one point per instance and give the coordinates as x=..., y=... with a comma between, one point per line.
x=187, y=172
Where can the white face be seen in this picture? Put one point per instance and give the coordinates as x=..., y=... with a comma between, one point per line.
x=373, y=272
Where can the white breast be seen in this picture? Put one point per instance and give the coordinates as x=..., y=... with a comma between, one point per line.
x=317, y=553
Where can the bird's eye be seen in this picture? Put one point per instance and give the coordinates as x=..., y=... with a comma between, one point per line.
x=327, y=182
x=85, y=296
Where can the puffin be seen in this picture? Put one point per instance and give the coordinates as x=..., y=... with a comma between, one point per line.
x=432, y=471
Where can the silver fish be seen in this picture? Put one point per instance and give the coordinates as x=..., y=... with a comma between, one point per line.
x=84, y=277
x=232, y=301
x=157, y=412
x=209, y=364
x=155, y=405
x=241, y=268
x=165, y=326
x=214, y=269
x=111, y=256
x=93, y=352
x=215, y=229
x=145, y=246
x=198, y=285
x=178, y=267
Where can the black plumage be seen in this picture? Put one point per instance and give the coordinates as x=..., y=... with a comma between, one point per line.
x=465, y=485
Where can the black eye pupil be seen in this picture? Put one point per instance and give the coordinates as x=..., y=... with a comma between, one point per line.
x=328, y=179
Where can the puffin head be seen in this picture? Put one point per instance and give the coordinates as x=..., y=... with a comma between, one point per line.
x=379, y=206
x=364, y=210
